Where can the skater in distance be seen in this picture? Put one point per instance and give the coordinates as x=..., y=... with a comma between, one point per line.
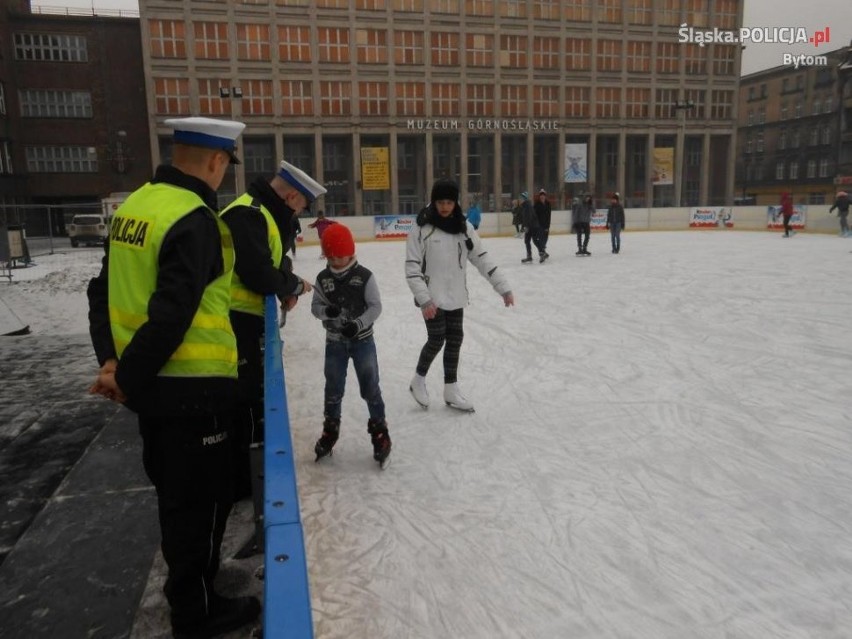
x=436, y=256
x=346, y=299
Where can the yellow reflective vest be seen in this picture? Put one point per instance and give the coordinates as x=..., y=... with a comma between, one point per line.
x=242, y=298
x=209, y=347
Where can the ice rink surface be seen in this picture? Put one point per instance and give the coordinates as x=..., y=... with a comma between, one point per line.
x=661, y=449
x=661, y=446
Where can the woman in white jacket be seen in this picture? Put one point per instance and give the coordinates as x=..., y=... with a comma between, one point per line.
x=436, y=257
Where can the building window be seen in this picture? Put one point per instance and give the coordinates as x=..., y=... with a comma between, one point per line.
x=370, y=5
x=782, y=140
x=696, y=60
x=794, y=170
x=445, y=49
x=577, y=101
x=761, y=115
x=638, y=56
x=609, y=55
x=48, y=103
x=545, y=53
x=697, y=12
x=259, y=156
x=637, y=103
x=725, y=13
x=796, y=139
x=171, y=96
x=639, y=11
x=668, y=12
x=608, y=102
x=779, y=170
x=663, y=109
x=335, y=98
x=578, y=54
x=577, y=10
x=479, y=7
x=826, y=134
x=46, y=47
x=333, y=4
x=749, y=144
x=723, y=62
x=410, y=98
x=211, y=40
x=62, y=159
x=373, y=98
x=294, y=44
x=816, y=106
x=797, y=111
x=513, y=8
x=782, y=113
x=412, y=6
x=333, y=44
x=668, y=57
x=513, y=100
x=253, y=41
x=296, y=97
x=513, y=51
x=750, y=118
x=814, y=137
x=721, y=105
x=6, y=158
x=444, y=6
x=480, y=99
x=816, y=198
x=210, y=101
x=168, y=38
x=759, y=142
x=408, y=47
x=372, y=46
x=811, y=168
x=257, y=97
x=609, y=10
x=479, y=50
x=823, y=167
x=2, y=99
x=546, y=9
x=445, y=99
x=545, y=101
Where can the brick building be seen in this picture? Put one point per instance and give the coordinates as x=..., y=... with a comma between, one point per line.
x=791, y=131
x=488, y=92
x=74, y=109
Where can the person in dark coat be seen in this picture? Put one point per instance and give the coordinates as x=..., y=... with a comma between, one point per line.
x=543, y=213
x=533, y=230
x=787, y=213
x=615, y=222
x=581, y=220
x=841, y=203
x=158, y=318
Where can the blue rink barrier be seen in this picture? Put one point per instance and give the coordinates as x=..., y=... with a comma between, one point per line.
x=287, y=597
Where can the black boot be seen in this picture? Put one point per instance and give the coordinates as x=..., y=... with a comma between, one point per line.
x=527, y=259
x=225, y=615
x=381, y=440
x=326, y=442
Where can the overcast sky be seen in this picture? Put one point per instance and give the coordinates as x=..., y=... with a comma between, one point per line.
x=811, y=15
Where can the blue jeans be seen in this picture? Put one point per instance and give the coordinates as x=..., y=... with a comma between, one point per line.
x=363, y=355
x=615, y=236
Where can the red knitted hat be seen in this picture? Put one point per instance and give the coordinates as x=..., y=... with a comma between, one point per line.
x=337, y=241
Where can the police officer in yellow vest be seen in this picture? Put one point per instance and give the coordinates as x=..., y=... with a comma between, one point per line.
x=261, y=223
x=159, y=319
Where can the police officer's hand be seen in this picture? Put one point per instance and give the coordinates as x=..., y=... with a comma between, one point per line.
x=289, y=302
x=105, y=384
x=304, y=286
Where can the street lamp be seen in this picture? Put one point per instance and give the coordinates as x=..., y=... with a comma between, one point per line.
x=681, y=106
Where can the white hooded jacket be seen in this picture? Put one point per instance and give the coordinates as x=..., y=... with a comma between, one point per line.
x=436, y=266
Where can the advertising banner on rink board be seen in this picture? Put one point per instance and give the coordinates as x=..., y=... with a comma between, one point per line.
x=598, y=219
x=774, y=219
x=713, y=217
x=393, y=226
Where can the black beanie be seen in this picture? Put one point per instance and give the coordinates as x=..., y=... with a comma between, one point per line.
x=445, y=189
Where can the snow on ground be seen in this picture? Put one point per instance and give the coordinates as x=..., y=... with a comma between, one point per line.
x=661, y=447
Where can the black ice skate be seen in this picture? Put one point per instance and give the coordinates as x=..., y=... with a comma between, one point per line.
x=542, y=257
x=330, y=433
x=381, y=442
x=527, y=259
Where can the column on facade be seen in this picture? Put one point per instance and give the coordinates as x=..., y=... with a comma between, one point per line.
x=560, y=169
x=318, y=172
x=703, y=188
x=593, y=162
x=498, y=173
x=464, y=186
x=430, y=162
x=649, y=174
x=358, y=190
x=729, y=173
x=680, y=140
x=529, y=176
x=620, y=164
x=393, y=161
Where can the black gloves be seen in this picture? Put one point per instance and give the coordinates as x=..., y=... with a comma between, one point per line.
x=350, y=329
x=332, y=311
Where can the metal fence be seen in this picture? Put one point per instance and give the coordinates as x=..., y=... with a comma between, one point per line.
x=45, y=224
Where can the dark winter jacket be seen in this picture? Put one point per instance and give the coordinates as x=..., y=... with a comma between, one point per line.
x=528, y=217
x=584, y=213
x=841, y=204
x=542, y=212
x=615, y=215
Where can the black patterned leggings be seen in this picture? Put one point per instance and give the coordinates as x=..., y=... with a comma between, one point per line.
x=446, y=327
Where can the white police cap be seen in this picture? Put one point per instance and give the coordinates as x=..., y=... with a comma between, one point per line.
x=208, y=133
x=301, y=181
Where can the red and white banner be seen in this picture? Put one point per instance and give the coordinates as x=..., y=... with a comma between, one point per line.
x=713, y=217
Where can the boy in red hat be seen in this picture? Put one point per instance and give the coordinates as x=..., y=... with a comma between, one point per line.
x=346, y=299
